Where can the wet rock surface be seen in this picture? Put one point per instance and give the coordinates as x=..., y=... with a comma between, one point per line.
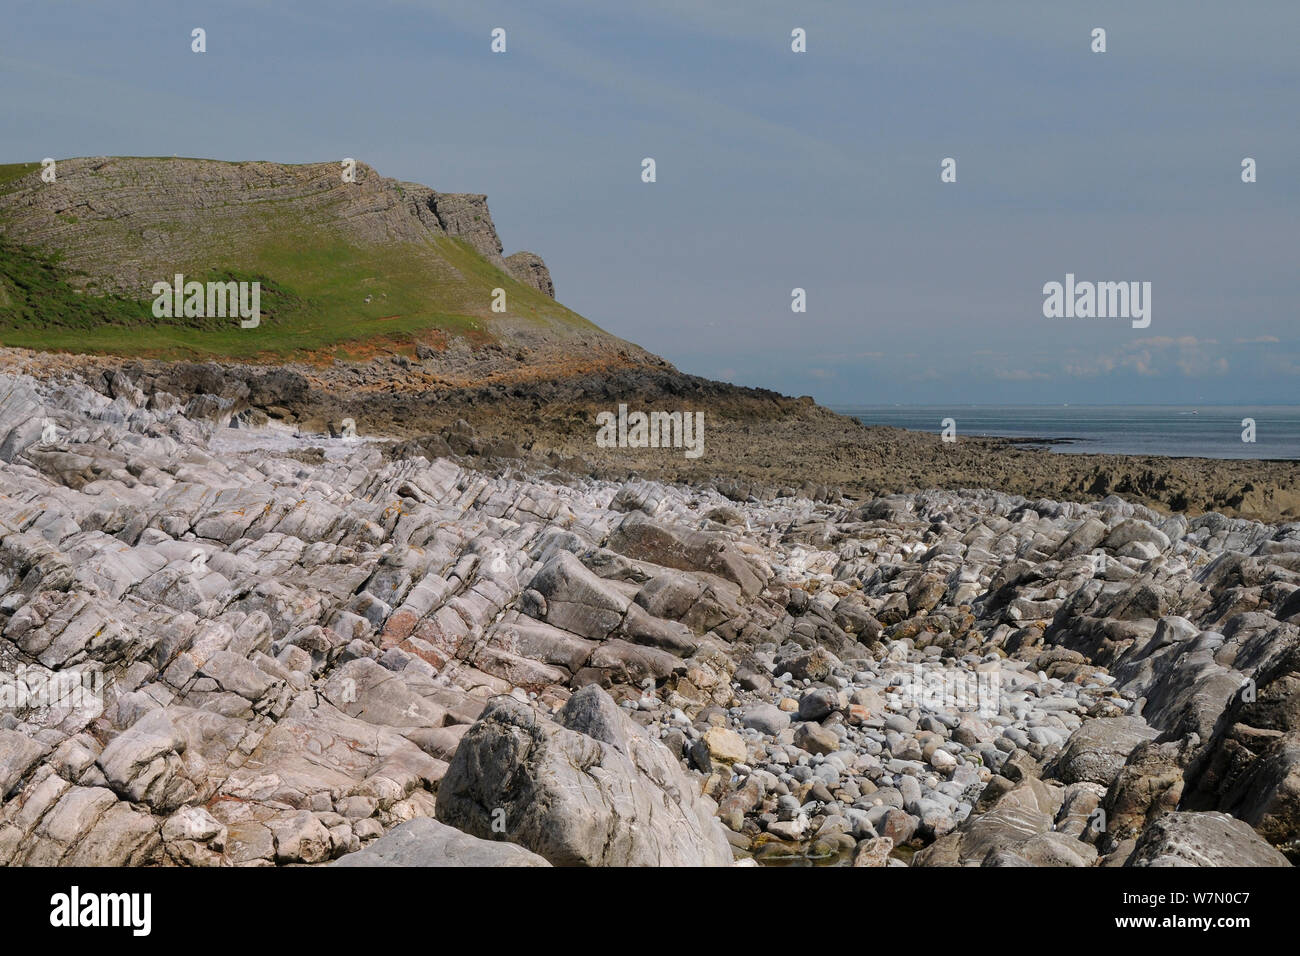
x=228, y=643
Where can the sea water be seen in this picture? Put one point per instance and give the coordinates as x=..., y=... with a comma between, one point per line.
x=1206, y=431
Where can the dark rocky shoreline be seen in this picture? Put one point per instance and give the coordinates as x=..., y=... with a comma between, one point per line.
x=757, y=441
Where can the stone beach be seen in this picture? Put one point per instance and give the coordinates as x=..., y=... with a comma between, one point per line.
x=383, y=651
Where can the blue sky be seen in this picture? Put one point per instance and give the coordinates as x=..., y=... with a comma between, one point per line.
x=776, y=170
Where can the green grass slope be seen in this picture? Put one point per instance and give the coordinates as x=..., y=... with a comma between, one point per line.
x=316, y=276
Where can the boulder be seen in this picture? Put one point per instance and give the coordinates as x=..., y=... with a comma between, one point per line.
x=577, y=600
x=765, y=718
x=1096, y=752
x=592, y=789
x=1202, y=839
x=1148, y=785
x=814, y=665
x=818, y=703
x=1007, y=827
x=670, y=546
x=1135, y=530
x=426, y=842
x=18, y=754
x=725, y=746
x=143, y=763
x=1082, y=539
x=815, y=739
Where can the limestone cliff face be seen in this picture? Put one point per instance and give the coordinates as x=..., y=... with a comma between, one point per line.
x=529, y=269
x=466, y=216
x=117, y=219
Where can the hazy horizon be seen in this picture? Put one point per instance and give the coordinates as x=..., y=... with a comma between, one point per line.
x=1071, y=404
x=775, y=170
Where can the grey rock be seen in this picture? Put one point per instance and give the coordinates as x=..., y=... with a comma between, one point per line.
x=143, y=763
x=1096, y=752
x=18, y=754
x=592, y=789
x=1202, y=839
x=426, y=842
x=818, y=703
x=815, y=739
x=766, y=719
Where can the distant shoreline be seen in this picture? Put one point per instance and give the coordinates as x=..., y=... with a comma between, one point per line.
x=1207, y=432
x=756, y=443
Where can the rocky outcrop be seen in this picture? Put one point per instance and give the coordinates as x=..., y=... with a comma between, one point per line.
x=529, y=269
x=463, y=216
x=1096, y=752
x=590, y=789
x=1251, y=767
x=1149, y=785
x=1203, y=839
x=241, y=644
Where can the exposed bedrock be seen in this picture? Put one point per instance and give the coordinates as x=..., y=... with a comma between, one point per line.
x=228, y=642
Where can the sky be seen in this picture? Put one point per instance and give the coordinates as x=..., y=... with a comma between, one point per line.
x=775, y=170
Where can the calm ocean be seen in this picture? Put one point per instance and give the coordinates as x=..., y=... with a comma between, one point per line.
x=1210, y=431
